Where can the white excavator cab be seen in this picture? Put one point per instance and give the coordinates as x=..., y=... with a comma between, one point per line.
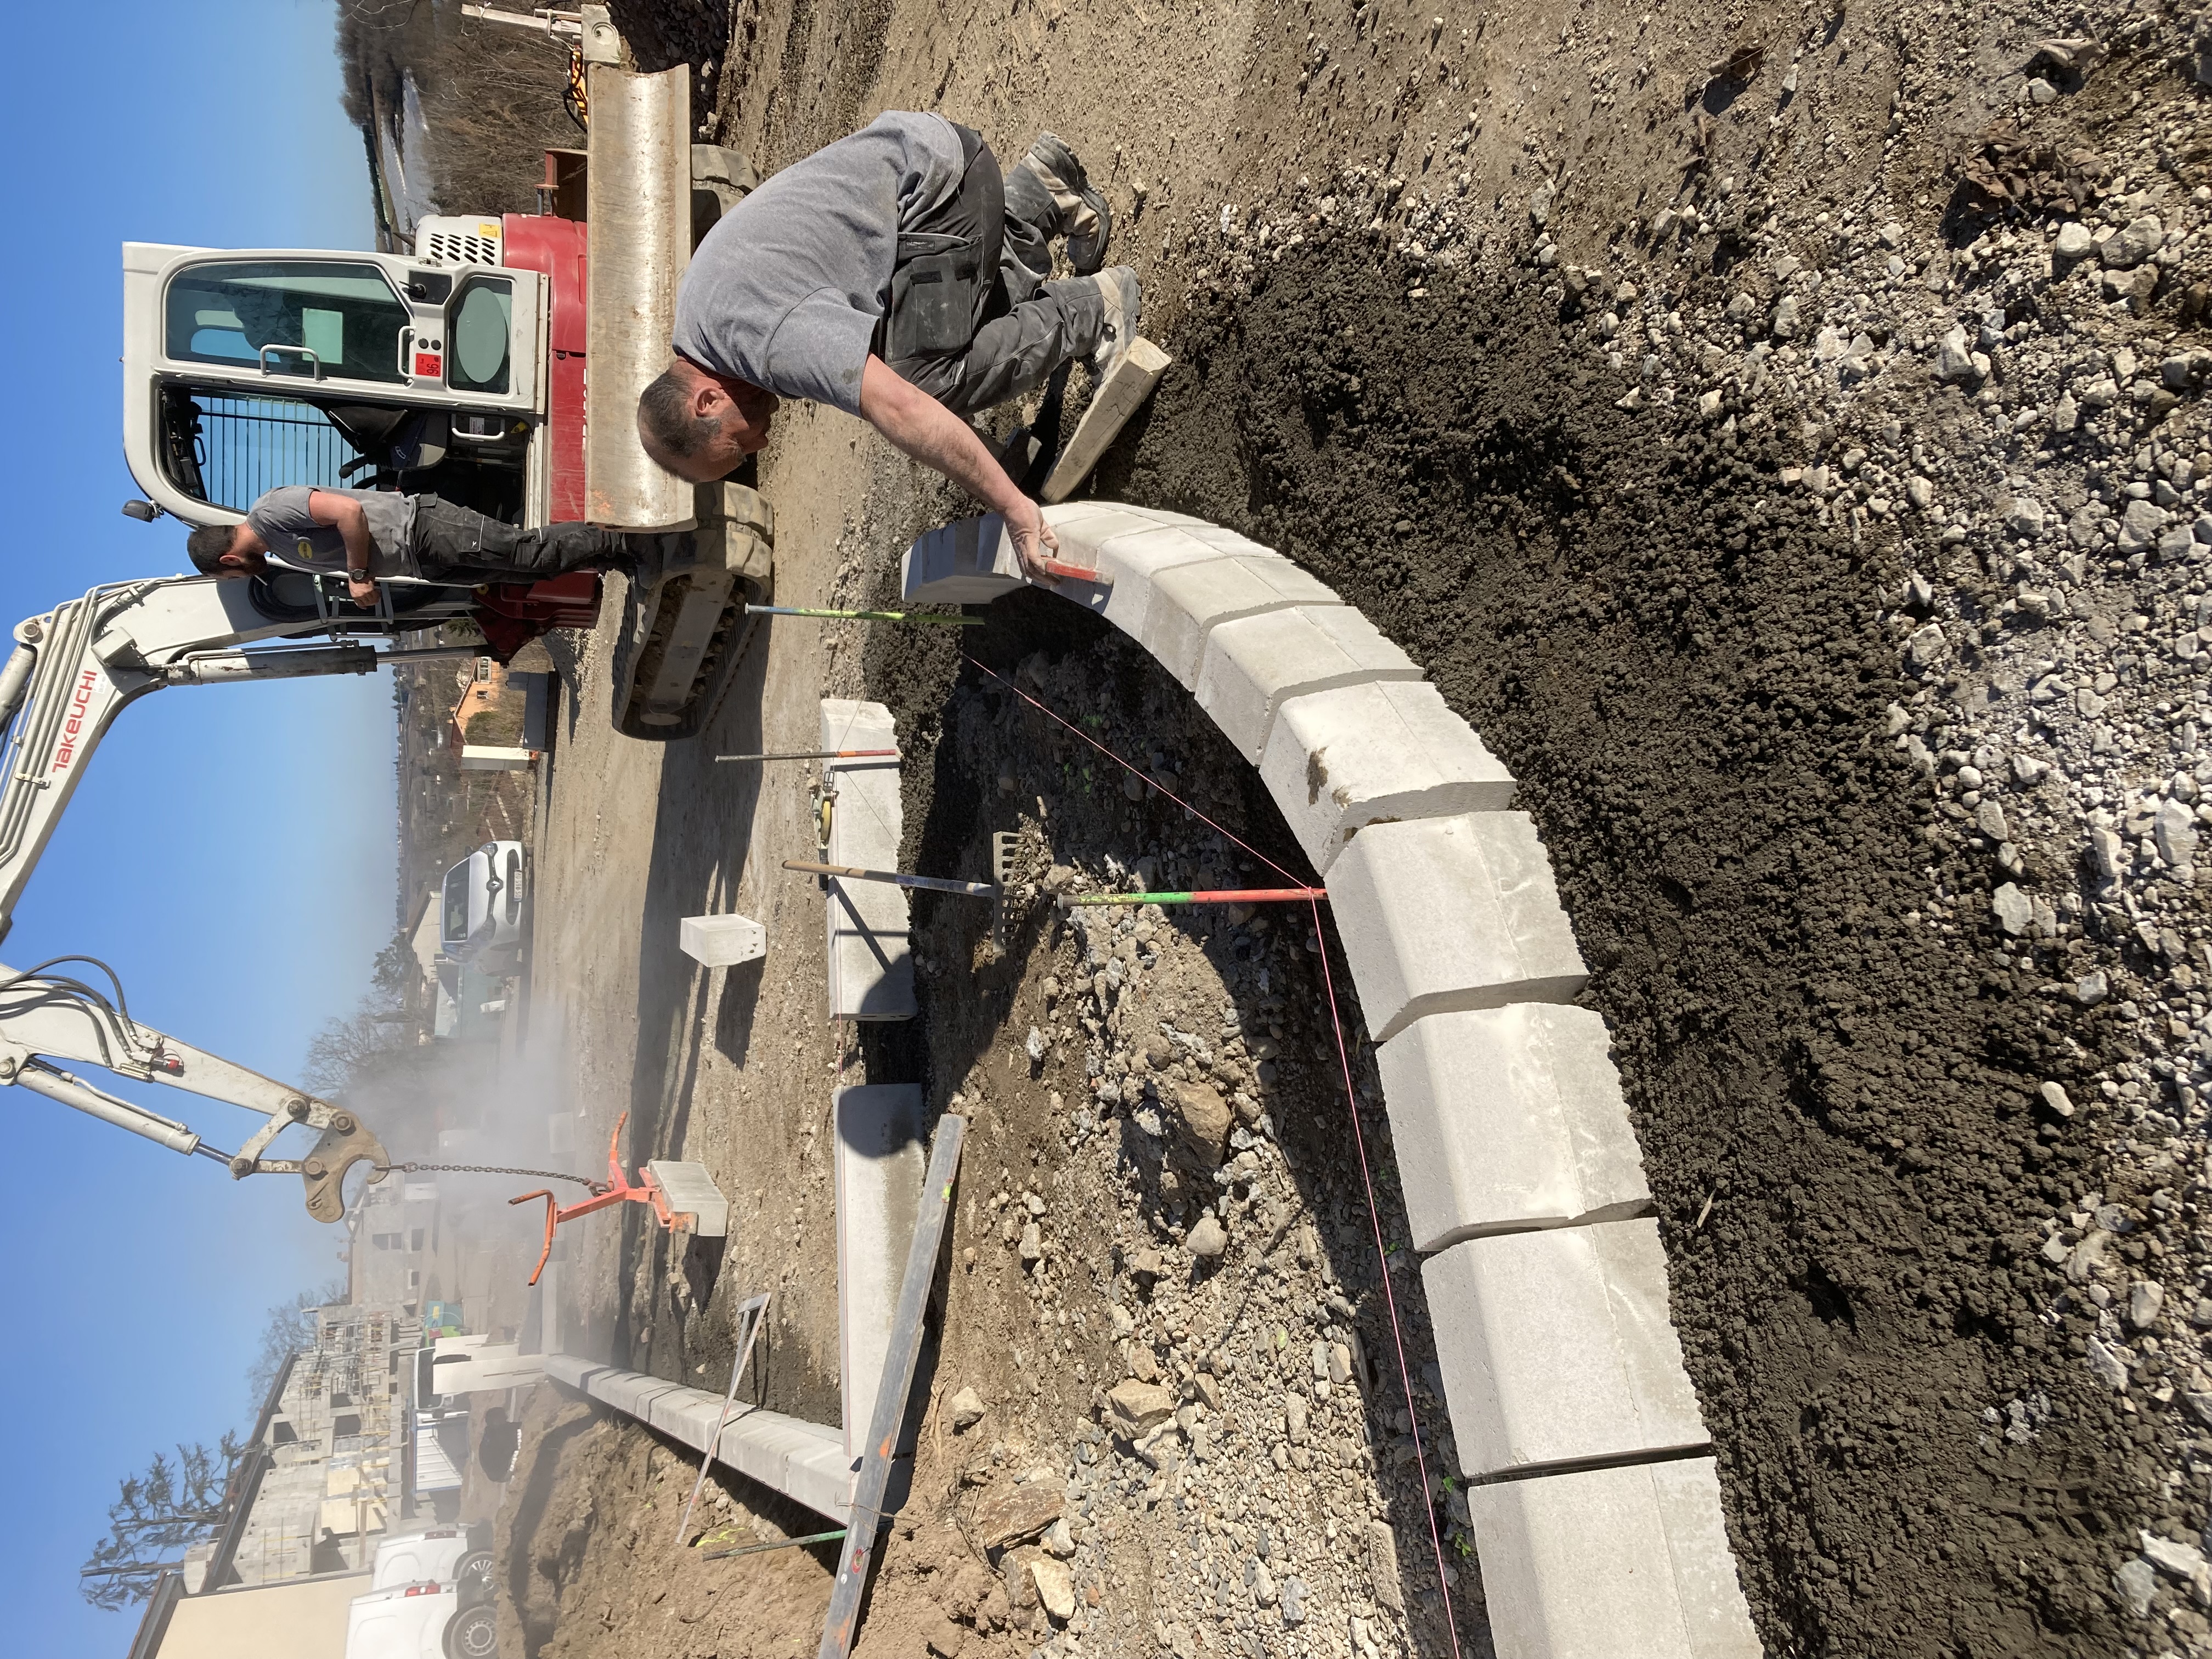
x=244, y=370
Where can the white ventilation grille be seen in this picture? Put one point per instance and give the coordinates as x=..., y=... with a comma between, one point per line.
x=458, y=242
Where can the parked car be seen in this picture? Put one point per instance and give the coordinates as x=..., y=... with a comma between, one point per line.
x=420, y=1621
x=442, y=1555
x=480, y=909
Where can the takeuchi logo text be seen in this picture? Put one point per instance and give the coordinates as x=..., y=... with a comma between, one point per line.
x=73, y=728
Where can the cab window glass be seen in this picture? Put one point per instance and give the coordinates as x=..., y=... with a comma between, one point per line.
x=227, y=450
x=482, y=326
x=302, y=318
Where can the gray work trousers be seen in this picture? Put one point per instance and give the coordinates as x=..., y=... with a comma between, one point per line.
x=459, y=545
x=994, y=242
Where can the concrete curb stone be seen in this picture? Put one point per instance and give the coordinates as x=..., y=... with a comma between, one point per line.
x=1558, y=1350
x=1505, y=1120
x=1612, y=1562
x=1337, y=761
x=1251, y=666
x=1549, y=1295
x=1444, y=914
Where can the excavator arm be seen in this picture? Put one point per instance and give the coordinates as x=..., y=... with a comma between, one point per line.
x=72, y=671
x=47, y=1017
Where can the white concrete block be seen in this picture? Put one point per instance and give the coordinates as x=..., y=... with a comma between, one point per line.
x=968, y=562
x=869, y=964
x=880, y=1158
x=1443, y=913
x=822, y=1477
x=1190, y=600
x=1610, y=1563
x=721, y=941
x=691, y=1191
x=1132, y=560
x=1506, y=1119
x=804, y=1461
x=1337, y=761
x=870, y=975
x=972, y=561
x=494, y=757
x=688, y=1415
x=1252, y=665
x=1556, y=1350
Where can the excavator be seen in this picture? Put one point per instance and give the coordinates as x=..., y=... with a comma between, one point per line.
x=497, y=364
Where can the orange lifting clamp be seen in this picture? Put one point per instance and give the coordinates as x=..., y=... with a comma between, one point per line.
x=684, y=1196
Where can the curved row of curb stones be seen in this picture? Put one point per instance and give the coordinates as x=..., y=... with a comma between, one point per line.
x=1595, y=1507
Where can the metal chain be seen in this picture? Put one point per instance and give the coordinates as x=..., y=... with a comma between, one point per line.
x=496, y=1169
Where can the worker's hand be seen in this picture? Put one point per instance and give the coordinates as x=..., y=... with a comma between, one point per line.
x=1034, y=541
x=361, y=593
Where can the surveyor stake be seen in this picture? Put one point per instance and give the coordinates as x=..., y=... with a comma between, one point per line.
x=983, y=889
x=817, y=754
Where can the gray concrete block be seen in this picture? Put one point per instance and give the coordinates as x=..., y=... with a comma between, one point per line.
x=1507, y=1119
x=869, y=964
x=805, y=1461
x=688, y=1415
x=1439, y=915
x=1556, y=1351
x=1610, y=1563
x=821, y=1478
x=972, y=561
x=968, y=562
x=1337, y=761
x=880, y=1157
x=1190, y=600
x=691, y=1191
x=1253, y=665
x=721, y=941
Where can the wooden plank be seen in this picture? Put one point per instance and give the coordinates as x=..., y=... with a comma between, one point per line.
x=899, y=1359
x=1122, y=395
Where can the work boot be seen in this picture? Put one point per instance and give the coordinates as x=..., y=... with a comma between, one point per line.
x=1050, y=171
x=1117, y=286
x=645, y=555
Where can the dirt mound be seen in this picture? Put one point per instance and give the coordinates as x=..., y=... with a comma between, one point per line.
x=589, y=1563
x=1834, y=1091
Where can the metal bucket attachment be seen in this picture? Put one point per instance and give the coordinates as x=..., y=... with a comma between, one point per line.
x=639, y=191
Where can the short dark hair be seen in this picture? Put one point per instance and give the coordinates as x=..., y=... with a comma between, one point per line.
x=206, y=545
x=664, y=416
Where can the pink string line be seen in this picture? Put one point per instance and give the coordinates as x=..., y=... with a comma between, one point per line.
x=1352, y=1108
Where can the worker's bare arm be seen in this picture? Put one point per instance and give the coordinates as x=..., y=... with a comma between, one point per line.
x=344, y=514
x=917, y=425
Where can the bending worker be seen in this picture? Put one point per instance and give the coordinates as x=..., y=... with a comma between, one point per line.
x=897, y=275
x=367, y=535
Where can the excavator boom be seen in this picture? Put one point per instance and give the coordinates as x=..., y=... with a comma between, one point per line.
x=73, y=670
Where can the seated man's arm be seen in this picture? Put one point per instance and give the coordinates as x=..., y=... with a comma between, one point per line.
x=344, y=514
x=917, y=425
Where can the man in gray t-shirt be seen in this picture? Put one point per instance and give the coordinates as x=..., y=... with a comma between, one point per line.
x=372, y=535
x=898, y=276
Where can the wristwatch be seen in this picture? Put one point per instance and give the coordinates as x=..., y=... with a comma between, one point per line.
x=353, y=575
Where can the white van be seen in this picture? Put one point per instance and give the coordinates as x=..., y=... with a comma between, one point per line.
x=420, y=1621
x=443, y=1555
x=480, y=908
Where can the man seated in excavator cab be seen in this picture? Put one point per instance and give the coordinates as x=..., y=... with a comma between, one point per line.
x=376, y=535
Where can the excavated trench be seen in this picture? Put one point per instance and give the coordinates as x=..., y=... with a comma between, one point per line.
x=1686, y=675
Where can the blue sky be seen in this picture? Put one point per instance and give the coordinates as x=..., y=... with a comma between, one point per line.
x=230, y=851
